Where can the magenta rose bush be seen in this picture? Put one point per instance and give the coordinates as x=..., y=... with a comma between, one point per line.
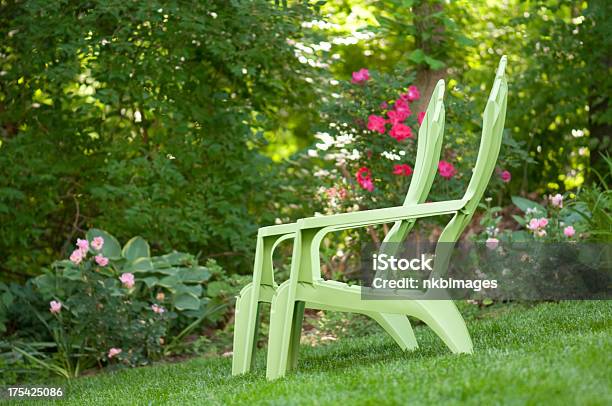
x=365, y=152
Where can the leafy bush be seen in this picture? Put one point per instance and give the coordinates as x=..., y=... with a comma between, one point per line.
x=145, y=118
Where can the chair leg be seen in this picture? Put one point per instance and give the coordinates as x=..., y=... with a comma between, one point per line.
x=398, y=327
x=245, y=330
x=445, y=320
x=281, y=326
x=296, y=334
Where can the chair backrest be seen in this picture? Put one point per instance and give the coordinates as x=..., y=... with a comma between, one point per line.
x=429, y=144
x=492, y=131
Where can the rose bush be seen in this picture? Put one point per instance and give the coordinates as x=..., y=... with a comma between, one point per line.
x=365, y=153
x=110, y=305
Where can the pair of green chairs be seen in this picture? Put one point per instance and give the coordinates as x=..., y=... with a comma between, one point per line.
x=305, y=287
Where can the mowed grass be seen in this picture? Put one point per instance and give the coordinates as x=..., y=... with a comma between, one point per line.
x=551, y=353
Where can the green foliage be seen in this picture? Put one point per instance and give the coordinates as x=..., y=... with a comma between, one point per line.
x=559, y=81
x=144, y=118
x=593, y=205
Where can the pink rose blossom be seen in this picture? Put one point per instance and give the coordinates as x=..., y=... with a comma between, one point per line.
x=361, y=76
x=367, y=184
x=492, y=243
x=128, y=280
x=400, y=132
x=157, y=309
x=533, y=225
x=569, y=231
x=376, y=123
x=557, y=200
x=537, y=226
x=114, y=352
x=397, y=116
x=505, y=176
x=413, y=93
x=101, y=260
x=446, y=169
x=83, y=245
x=97, y=243
x=402, y=107
x=77, y=256
x=402, y=170
x=55, y=307
x=420, y=117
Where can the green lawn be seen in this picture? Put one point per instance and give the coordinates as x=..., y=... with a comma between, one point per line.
x=544, y=354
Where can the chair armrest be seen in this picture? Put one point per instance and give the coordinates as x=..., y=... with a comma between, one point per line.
x=378, y=216
x=280, y=229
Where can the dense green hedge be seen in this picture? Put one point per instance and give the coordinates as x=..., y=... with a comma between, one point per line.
x=141, y=118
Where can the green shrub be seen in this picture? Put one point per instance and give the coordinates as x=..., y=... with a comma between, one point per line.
x=109, y=304
x=145, y=118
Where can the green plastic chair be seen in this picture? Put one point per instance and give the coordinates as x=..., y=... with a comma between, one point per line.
x=306, y=288
x=262, y=288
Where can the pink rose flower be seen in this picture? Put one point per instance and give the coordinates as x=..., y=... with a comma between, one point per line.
x=55, y=307
x=376, y=123
x=543, y=222
x=533, y=225
x=101, y=260
x=157, y=309
x=361, y=76
x=413, y=93
x=397, y=116
x=400, y=132
x=83, y=245
x=492, y=243
x=402, y=170
x=128, y=280
x=402, y=107
x=77, y=256
x=97, y=243
x=557, y=200
x=446, y=169
x=420, y=117
x=505, y=176
x=114, y=352
x=569, y=231
x=367, y=184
